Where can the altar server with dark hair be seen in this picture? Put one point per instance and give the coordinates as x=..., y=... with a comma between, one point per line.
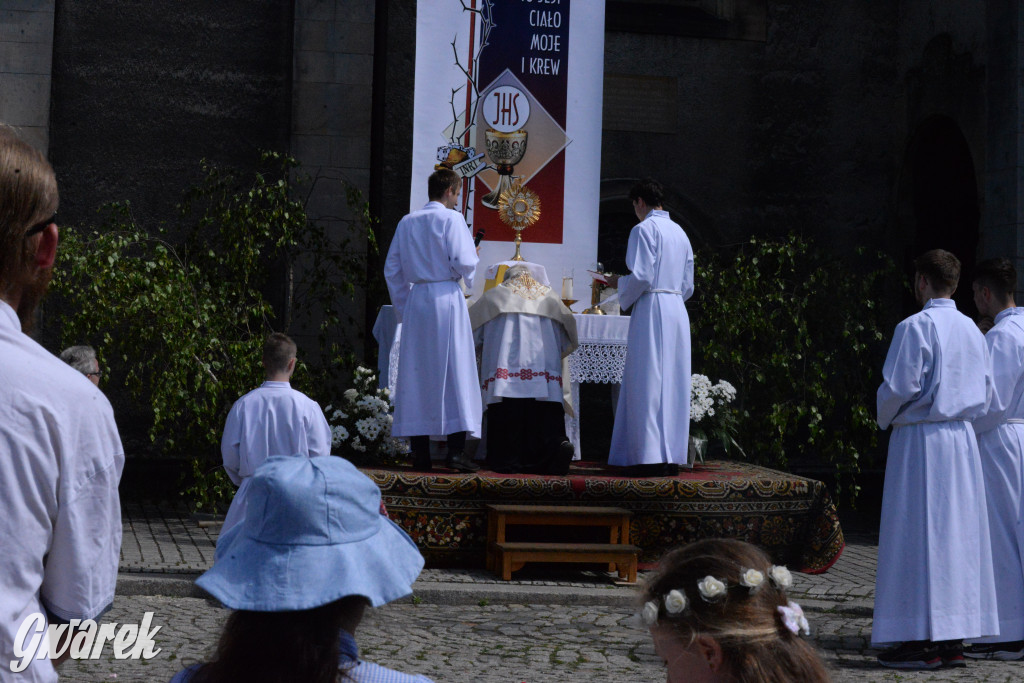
x=935, y=584
x=1001, y=442
x=438, y=390
x=652, y=418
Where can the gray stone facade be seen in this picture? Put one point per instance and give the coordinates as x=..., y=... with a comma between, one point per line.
x=888, y=124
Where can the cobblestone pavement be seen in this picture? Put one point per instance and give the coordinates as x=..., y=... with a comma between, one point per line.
x=467, y=625
x=496, y=643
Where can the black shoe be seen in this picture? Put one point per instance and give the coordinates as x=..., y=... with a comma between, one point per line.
x=563, y=458
x=1004, y=652
x=660, y=469
x=422, y=463
x=952, y=653
x=915, y=654
x=460, y=463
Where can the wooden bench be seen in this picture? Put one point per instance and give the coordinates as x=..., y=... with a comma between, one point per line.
x=505, y=557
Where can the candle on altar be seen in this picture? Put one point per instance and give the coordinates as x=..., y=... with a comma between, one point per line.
x=566, y=287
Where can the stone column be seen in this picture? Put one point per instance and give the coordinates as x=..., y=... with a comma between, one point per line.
x=331, y=104
x=1003, y=233
x=26, y=56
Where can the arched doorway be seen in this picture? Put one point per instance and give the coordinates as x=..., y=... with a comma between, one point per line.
x=938, y=202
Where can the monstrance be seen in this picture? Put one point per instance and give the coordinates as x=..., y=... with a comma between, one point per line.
x=518, y=208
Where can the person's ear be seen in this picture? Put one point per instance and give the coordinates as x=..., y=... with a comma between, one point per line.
x=291, y=365
x=710, y=651
x=46, y=248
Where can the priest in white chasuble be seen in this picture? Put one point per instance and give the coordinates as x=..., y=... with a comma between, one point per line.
x=438, y=389
x=526, y=334
x=652, y=418
x=934, y=585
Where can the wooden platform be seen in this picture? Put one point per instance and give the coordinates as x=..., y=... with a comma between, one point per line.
x=791, y=517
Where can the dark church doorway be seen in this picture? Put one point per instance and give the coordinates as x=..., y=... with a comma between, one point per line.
x=938, y=202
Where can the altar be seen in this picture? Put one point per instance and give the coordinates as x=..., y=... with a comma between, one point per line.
x=600, y=357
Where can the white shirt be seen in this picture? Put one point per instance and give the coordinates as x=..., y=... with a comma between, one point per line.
x=272, y=419
x=60, y=517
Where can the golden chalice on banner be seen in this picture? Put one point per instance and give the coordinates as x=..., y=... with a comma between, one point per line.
x=518, y=208
x=505, y=150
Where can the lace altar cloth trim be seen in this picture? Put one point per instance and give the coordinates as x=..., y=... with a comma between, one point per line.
x=602, y=362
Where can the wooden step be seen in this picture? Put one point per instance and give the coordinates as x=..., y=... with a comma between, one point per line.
x=511, y=557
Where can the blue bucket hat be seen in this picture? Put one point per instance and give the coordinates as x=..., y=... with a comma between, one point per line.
x=312, y=534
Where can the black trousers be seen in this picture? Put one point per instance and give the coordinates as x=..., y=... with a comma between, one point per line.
x=523, y=435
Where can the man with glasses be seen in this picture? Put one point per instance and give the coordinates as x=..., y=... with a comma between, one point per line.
x=83, y=359
x=60, y=453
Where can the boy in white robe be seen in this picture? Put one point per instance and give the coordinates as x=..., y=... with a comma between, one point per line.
x=934, y=585
x=272, y=419
x=438, y=390
x=1001, y=442
x=652, y=417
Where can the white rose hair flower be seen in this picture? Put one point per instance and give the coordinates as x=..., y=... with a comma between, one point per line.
x=781, y=576
x=710, y=588
x=675, y=602
x=752, y=579
x=650, y=613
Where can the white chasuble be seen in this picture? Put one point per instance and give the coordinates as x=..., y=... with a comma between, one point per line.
x=526, y=334
x=935, y=579
x=438, y=390
x=1001, y=442
x=652, y=418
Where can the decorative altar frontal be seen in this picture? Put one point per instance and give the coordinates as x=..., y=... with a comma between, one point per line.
x=791, y=517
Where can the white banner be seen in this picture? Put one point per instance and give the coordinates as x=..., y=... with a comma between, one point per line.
x=509, y=91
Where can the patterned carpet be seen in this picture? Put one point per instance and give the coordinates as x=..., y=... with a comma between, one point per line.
x=791, y=517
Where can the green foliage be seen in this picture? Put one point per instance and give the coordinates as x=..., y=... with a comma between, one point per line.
x=797, y=331
x=180, y=316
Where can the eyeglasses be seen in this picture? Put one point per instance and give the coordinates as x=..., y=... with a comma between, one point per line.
x=40, y=226
x=94, y=374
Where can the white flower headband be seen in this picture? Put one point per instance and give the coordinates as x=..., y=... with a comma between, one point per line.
x=712, y=590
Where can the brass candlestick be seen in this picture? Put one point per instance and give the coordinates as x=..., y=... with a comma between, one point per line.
x=595, y=298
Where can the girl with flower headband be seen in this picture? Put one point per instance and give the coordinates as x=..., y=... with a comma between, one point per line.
x=718, y=611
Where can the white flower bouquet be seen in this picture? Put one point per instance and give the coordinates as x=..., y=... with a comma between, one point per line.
x=712, y=418
x=361, y=423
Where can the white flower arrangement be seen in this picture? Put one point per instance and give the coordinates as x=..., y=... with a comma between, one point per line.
x=361, y=423
x=711, y=415
x=711, y=588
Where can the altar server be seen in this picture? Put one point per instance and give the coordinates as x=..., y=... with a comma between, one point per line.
x=438, y=389
x=526, y=334
x=652, y=418
x=935, y=584
x=272, y=419
x=1001, y=442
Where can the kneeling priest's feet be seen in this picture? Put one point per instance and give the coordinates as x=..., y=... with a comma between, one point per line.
x=914, y=654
